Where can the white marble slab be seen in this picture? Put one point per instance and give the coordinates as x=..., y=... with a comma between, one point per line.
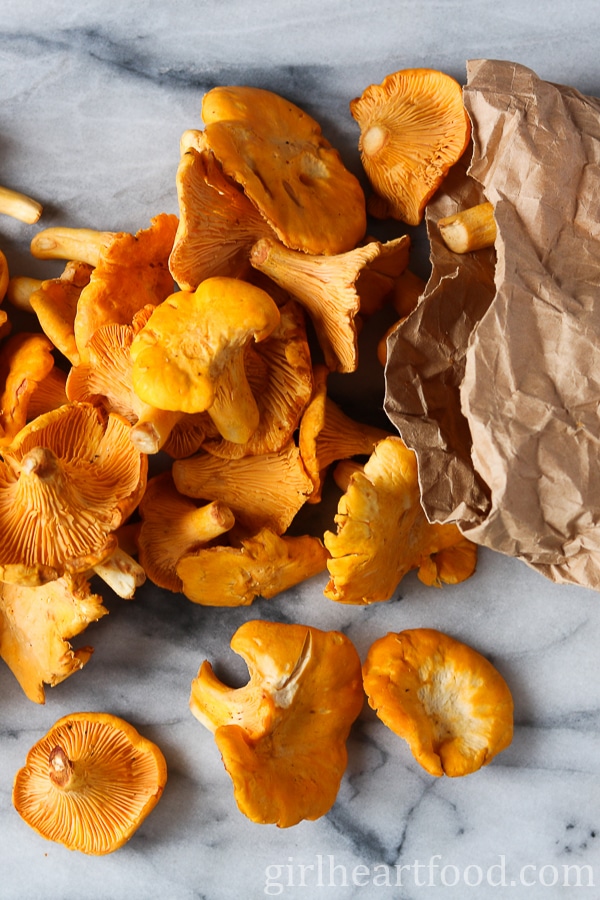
x=94, y=98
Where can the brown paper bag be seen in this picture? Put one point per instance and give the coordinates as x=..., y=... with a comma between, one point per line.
x=494, y=380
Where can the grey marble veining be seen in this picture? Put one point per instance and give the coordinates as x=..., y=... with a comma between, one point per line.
x=94, y=99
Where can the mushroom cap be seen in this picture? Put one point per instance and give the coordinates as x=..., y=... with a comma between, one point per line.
x=382, y=531
x=263, y=566
x=132, y=272
x=414, y=127
x=36, y=624
x=217, y=223
x=283, y=735
x=286, y=167
x=266, y=490
x=193, y=338
x=116, y=778
x=444, y=698
x=67, y=481
x=55, y=304
x=25, y=360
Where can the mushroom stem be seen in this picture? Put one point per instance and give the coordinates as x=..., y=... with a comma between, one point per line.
x=19, y=206
x=19, y=291
x=121, y=573
x=40, y=461
x=234, y=410
x=470, y=229
x=60, y=768
x=83, y=244
x=153, y=428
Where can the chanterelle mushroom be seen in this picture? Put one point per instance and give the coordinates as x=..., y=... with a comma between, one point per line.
x=289, y=171
x=263, y=565
x=190, y=354
x=36, y=624
x=67, y=481
x=90, y=782
x=445, y=699
x=283, y=735
x=414, y=126
x=25, y=360
x=382, y=532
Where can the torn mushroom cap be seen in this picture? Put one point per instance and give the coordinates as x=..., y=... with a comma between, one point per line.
x=172, y=526
x=445, y=699
x=289, y=171
x=327, y=434
x=36, y=624
x=129, y=271
x=382, y=531
x=217, y=223
x=190, y=354
x=263, y=565
x=414, y=127
x=90, y=782
x=54, y=301
x=280, y=375
x=283, y=735
x=266, y=490
x=106, y=379
x=326, y=287
x=25, y=360
x=67, y=481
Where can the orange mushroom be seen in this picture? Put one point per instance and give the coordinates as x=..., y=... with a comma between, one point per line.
x=36, y=624
x=446, y=700
x=217, y=223
x=90, y=782
x=55, y=302
x=25, y=361
x=263, y=565
x=382, y=532
x=283, y=735
x=327, y=286
x=413, y=128
x=265, y=490
x=172, y=526
x=327, y=434
x=129, y=271
x=67, y=481
x=288, y=170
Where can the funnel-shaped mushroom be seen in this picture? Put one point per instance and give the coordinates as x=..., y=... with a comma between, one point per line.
x=217, y=223
x=283, y=735
x=67, y=481
x=55, y=302
x=262, y=566
x=190, y=354
x=90, y=782
x=279, y=372
x=446, y=700
x=25, y=360
x=262, y=491
x=172, y=526
x=289, y=171
x=130, y=271
x=413, y=128
x=327, y=287
x=327, y=434
x=382, y=532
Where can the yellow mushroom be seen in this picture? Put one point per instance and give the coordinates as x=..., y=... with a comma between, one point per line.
x=446, y=700
x=282, y=736
x=263, y=565
x=382, y=532
x=25, y=361
x=90, y=782
x=36, y=624
x=189, y=356
x=19, y=206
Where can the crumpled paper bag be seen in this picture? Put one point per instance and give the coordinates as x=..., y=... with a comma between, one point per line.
x=494, y=380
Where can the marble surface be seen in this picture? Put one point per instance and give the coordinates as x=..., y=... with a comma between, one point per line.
x=95, y=97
